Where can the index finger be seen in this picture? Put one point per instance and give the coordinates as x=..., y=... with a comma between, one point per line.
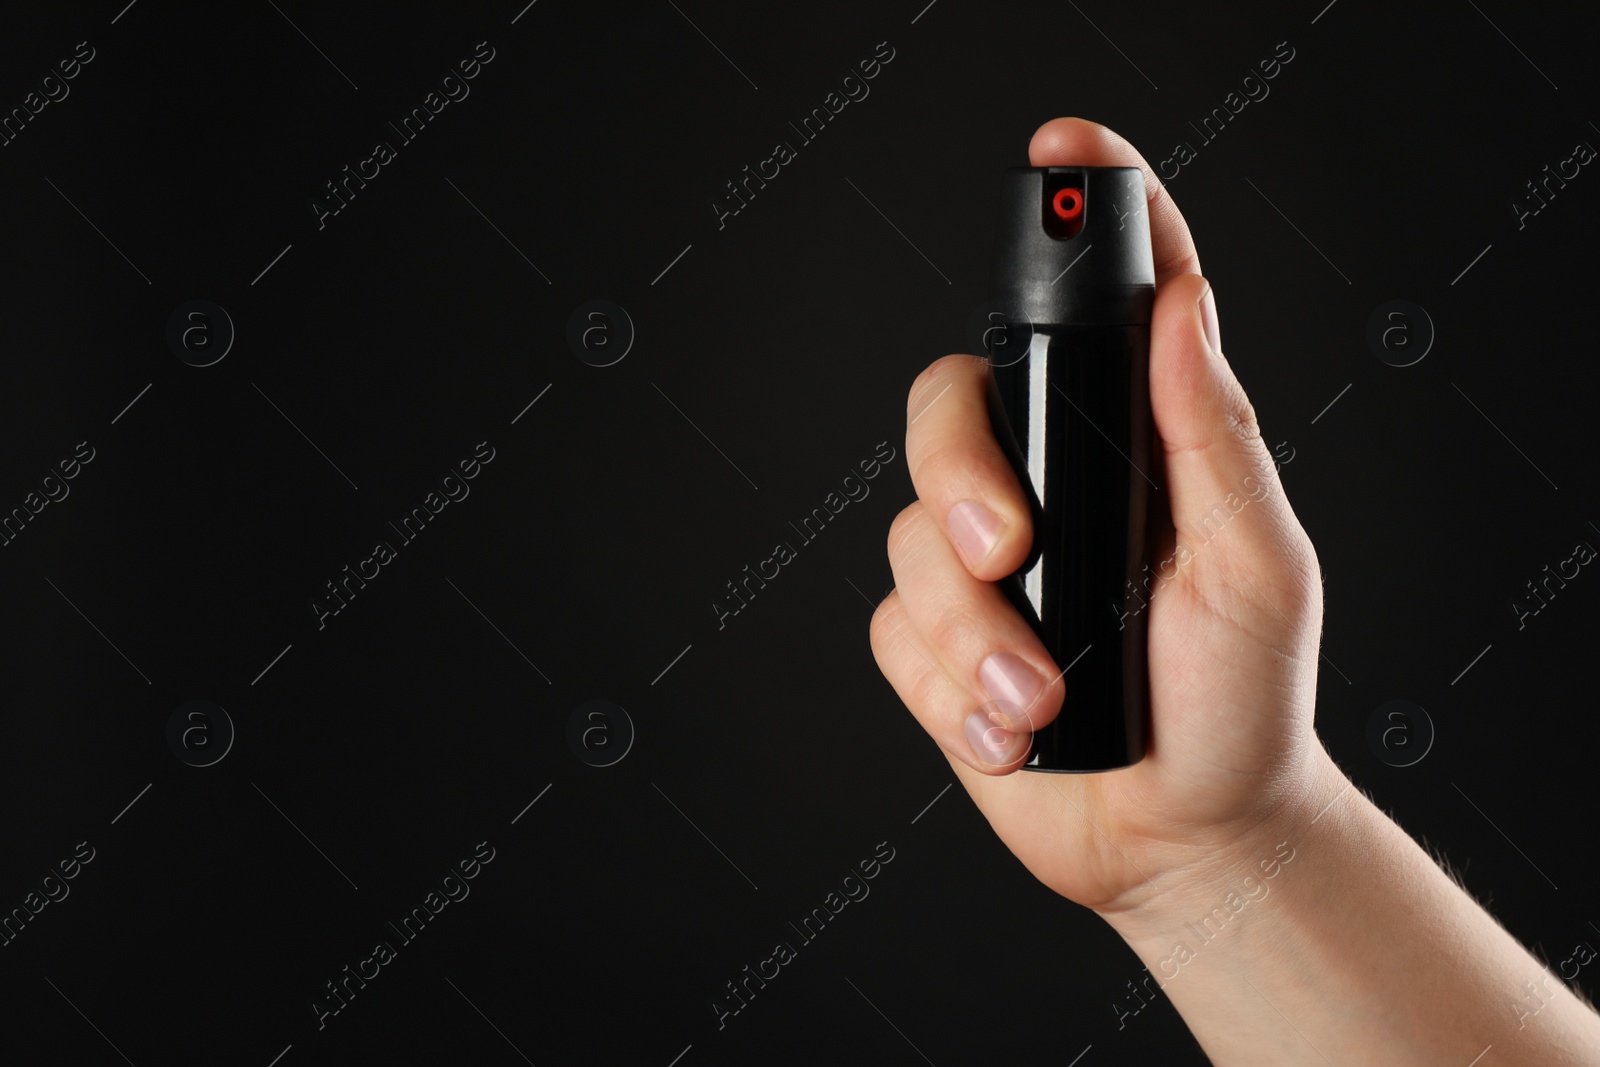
x=1073, y=142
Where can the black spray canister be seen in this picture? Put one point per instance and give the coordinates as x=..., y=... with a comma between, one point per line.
x=1073, y=285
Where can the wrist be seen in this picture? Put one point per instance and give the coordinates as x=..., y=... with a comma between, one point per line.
x=1222, y=878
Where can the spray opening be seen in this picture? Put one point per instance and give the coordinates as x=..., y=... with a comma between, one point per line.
x=1068, y=204
x=1064, y=203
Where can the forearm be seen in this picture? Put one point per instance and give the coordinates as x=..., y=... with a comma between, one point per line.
x=1357, y=950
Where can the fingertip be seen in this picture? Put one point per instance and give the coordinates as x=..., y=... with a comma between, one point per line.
x=995, y=750
x=881, y=615
x=988, y=524
x=1180, y=314
x=1025, y=696
x=1186, y=373
x=932, y=381
x=1060, y=140
x=975, y=529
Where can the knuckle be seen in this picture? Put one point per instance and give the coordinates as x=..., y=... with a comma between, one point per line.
x=926, y=689
x=906, y=532
x=1291, y=575
x=957, y=469
x=1242, y=415
x=936, y=467
x=885, y=619
x=911, y=675
x=1301, y=557
x=1163, y=209
x=953, y=628
x=1245, y=428
x=1180, y=260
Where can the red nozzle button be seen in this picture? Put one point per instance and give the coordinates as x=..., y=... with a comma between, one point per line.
x=1068, y=204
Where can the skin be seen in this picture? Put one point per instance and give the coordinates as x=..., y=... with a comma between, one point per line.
x=1357, y=948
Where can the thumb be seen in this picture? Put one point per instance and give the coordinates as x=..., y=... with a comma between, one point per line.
x=1219, y=471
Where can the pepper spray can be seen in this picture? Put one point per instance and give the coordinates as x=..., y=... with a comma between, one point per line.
x=1069, y=399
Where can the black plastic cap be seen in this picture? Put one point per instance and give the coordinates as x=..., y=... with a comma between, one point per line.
x=1073, y=258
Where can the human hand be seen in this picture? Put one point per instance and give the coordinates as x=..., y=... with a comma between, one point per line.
x=1234, y=620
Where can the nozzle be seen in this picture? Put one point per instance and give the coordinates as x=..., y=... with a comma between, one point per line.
x=1062, y=210
x=1068, y=204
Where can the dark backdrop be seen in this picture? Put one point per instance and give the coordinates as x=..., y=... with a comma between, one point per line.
x=367, y=752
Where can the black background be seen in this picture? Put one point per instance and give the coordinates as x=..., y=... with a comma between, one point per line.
x=407, y=329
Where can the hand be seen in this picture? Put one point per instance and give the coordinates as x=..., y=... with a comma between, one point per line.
x=1234, y=621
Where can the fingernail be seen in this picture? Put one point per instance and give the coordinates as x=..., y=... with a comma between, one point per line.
x=1208, y=319
x=992, y=745
x=975, y=529
x=1013, y=686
